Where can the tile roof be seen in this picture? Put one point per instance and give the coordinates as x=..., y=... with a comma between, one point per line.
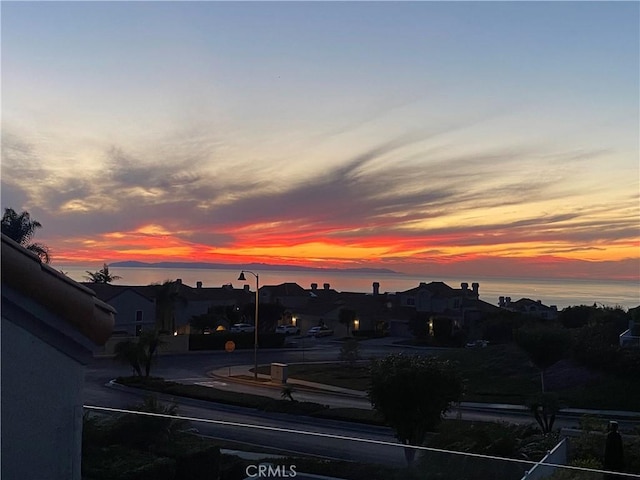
x=288, y=289
x=76, y=304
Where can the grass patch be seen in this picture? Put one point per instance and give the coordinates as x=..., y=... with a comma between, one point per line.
x=496, y=374
x=337, y=374
x=198, y=392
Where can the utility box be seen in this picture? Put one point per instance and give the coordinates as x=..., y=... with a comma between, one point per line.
x=279, y=372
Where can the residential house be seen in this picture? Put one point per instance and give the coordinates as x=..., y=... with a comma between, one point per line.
x=372, y=311
x=291, y=295
x=631, y=337
x=526, y=306
x=190, y=302
x=135, y=305
x=50, y=325
x=437, y=299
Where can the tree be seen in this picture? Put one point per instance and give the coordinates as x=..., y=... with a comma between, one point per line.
x=167, y=296
x=412, y=393
x=269, y=315
x=20, y=228
x=141, y=354
x=101, y=276
x=545, y=345
x=346, y=316
x=216, y=316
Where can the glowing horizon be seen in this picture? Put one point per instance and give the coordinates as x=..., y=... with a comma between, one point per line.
x=417, y=136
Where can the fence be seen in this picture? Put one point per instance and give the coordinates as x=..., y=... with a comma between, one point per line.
x=545, y=467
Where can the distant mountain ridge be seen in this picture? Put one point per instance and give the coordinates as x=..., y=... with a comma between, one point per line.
x=248, y=266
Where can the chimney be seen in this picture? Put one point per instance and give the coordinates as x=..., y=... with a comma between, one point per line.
x=501, y=301
x=178, y=281
x=376, y=288
x=465, y=287
x=314, y=286
x=326, y=286
x=246, y=288
x=475, y=286
x=198, y=284
x=507, y=301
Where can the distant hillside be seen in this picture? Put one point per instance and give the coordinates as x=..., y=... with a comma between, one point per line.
x=248, y=266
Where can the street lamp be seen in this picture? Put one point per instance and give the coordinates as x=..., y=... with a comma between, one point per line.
x=255, y=329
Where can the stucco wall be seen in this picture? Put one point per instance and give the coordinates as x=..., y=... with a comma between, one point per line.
x=41, y=409
x=126, y=305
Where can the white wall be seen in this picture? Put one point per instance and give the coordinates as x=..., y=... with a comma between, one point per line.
x=126, y=305
x=41, y=409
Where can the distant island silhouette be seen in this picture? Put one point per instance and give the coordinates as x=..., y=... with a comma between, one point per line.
x=247, y=266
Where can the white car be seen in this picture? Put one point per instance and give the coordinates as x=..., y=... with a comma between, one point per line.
x=242, y=327
x=288, y=329
x=477, y=344
x=320, y=332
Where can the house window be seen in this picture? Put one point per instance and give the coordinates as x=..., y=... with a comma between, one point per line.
x=411, y=301
x=138, y=316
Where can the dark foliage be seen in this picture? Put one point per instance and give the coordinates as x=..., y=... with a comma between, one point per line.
x=412, y=393
x=217, y=340
x=269, y=315
x=20, y=228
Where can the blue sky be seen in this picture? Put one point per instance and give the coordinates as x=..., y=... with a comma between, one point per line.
x=413, y=135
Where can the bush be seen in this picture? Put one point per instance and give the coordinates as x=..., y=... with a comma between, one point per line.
x=350, y=351
x=597, y=347
x=125, y=464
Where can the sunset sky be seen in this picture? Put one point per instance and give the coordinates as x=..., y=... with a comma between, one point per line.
x=445, y=137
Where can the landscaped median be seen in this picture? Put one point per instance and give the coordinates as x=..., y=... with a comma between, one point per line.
x=258, y=402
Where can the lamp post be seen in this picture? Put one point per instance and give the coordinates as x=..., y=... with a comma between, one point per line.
x=255, y=329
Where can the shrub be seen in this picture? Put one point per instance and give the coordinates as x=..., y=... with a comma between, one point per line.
x=217, y=340
x=350, y=351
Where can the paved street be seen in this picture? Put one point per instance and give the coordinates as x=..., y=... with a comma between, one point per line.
x=286, y=432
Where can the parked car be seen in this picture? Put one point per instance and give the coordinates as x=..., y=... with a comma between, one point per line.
x=477, y=344
x=288, y=329
x=242, y=327
x=320, y=332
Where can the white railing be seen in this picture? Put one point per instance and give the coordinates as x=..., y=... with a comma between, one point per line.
x=546, y=467
x=628, y=340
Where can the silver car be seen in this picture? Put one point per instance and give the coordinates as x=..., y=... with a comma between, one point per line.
x=242, y=327
x=320, y=332
x=288, y=329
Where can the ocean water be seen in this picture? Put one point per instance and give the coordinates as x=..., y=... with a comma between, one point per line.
x=560, y=292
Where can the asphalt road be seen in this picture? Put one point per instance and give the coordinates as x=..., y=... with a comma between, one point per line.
x=338, y=440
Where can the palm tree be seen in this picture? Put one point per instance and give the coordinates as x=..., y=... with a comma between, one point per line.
x=102, y=275
x=140, y=354
x=20, y=228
